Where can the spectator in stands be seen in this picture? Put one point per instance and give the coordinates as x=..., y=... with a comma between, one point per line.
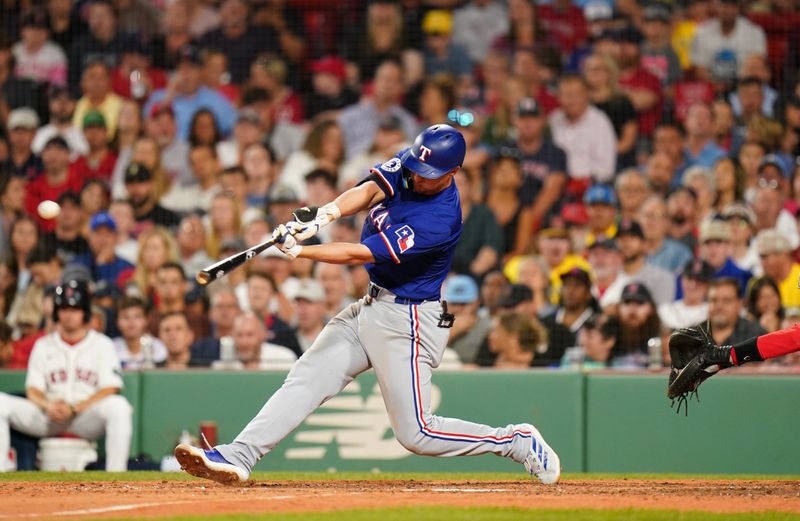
x=224, y=223
x=564, y=24
x=94, y=197
x=722, y=44
x=668, y=139
x=324, y=148
x=585, y=133
x=253, y=350
x=136, y=348
x=38, y=58
x=555, y=247
x=162, y=127
x=503, y=199
x=728, y=326
x=257, y=162
x=336, y=283
x=441, y=54
x=101, y=43
x=246, y=132
x=140, y=186
x=742, y=220
x=729, y=181
x=56, y=179
x=659, y=171
x=389, y=140
x=642, y=88
x=529, y=67
x=199, y=195
x=186, y=95
x=156, y=248
x=481, y=245
x=177, y=337
x=191, y=243
x=101, y=260
x=64, y=23
x=437, y=99
x=514, y=339
x=601, y=205
x=631, y=242
x=596, y=339
x=45, y=268
x=602, y=77
x=6, y=345
x=777, y=263
x=632, y=190
x=605, y=260
x=477, y=24
x=98, y=97
x=174, y=34
x=637, y=322
x=282, y=137
x=723, y=124
x=715, y=248
x=701, y=149
x=203, y=129
x=764, y=304
x=67, y=235
x=309, y=301
x=692, y=309
x=661, y=250
x=359, y=122
x=329, y=90
x=12, y=204
x=222, y=314
x=704, y=184
x=23, y=238
x=470, y=328
x=61, y=108
x=122, y=213
x=238, y=39
x=135, y=78
x=544, y=170
x=21, y=125
x=262, y=292
x=217, y=76
x=99, y=161
x=682, y=209
x=493, y=289
x=768, y=208
x=658, y=56
x=576, y=305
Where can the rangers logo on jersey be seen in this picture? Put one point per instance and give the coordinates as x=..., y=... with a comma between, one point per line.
x=392, y=165
x=405, y=239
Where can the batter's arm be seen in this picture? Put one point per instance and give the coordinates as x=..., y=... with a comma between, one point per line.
x=359, y=198
x=338, y=252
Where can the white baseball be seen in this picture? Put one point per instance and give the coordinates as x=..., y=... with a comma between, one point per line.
x=48, y=209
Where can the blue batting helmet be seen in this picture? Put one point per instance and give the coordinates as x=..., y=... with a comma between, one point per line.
x=436, y=151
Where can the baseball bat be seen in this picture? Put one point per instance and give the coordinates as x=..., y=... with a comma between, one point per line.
x=221, y=268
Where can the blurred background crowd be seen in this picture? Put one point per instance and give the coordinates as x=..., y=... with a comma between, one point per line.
x=631, y=169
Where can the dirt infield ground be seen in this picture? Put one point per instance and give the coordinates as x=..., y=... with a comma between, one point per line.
x=157, y=499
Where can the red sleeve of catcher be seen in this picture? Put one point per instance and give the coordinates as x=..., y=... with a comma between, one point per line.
x=779, y=343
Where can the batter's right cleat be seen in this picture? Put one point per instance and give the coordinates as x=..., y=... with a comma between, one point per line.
x=542, y=461
x=209, y=464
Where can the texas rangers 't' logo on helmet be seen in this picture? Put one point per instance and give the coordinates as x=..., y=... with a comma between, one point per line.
x=436, y=151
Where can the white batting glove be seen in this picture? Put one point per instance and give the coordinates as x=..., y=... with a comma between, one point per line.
x=286, y=241
x=308, y=221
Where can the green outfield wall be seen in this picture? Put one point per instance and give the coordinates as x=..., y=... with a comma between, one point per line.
x=597, y=422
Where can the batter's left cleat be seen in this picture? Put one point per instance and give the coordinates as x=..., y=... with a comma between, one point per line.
x=542, y=461
x=209, y=464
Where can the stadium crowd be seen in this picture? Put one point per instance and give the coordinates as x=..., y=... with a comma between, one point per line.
x=631, y=168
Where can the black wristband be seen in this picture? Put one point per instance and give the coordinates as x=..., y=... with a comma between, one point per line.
x=747, y=351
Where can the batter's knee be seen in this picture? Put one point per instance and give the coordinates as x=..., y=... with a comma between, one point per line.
x=415, y=441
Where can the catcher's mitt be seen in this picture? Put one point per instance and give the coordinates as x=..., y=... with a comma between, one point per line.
x=695, y=358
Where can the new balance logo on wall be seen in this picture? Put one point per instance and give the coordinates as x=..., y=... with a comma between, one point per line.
x=359, y=426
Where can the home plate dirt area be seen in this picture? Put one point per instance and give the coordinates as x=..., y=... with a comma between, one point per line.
x=156, y=499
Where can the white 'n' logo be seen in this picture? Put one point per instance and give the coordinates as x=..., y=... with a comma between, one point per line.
x=424, y=152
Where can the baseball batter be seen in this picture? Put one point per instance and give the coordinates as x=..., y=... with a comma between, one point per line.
x=72, y=384
x=399, y=329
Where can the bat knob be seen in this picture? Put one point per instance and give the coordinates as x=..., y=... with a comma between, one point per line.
x=203, y=278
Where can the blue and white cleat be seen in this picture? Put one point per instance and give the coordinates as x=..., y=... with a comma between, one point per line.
x=209, y=464
x=542, y=461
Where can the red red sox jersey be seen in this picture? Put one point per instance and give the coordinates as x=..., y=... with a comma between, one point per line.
x=73, y=373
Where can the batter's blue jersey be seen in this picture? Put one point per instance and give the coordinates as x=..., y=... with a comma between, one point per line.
x=411, y=236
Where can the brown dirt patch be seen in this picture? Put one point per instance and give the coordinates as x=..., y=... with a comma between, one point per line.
x=157, y=499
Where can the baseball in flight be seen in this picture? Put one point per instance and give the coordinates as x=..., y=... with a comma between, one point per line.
x=48, y=209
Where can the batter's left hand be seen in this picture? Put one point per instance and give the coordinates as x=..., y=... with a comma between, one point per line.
x=286, y=241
